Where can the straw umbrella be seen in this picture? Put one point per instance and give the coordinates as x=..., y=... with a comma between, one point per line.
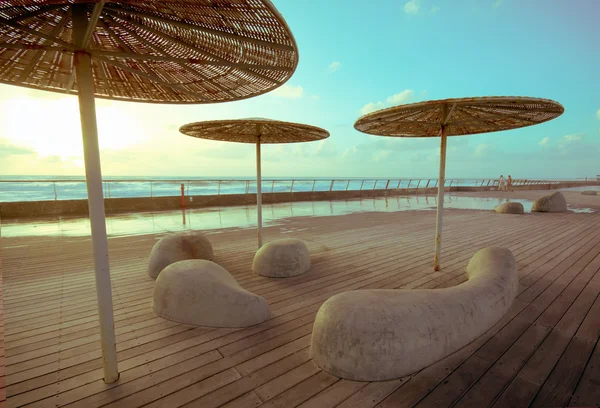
x=456, y=117
x=181, y=51
x=256, y=131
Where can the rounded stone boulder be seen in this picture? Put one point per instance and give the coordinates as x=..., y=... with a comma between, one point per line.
x=554, y=202
x=383, y=334
x=510, y=207
x=282, y=258
x=178, y=247
x=202, y=293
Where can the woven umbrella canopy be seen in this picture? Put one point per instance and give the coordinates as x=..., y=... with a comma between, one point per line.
x=256, y=131
x=457, y=117
x=162, y=51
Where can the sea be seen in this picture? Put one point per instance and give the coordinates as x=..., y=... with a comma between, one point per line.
x=43, y=188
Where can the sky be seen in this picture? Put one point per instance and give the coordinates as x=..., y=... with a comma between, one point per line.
x=356, y=57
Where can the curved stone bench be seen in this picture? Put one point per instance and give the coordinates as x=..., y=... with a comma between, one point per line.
x=202, y=293
x=379, y=334
x=178, y=247
x=282, y=258
x=511, y=207
x=554, y=202
x=589, y=192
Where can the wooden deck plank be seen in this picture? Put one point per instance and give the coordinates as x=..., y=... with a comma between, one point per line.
x=587, y=392
x=56, y=358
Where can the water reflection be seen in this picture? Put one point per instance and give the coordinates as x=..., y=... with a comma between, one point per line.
x=214, y=218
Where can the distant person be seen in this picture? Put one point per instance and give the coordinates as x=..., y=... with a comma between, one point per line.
x=509, y=183
x=501, y=183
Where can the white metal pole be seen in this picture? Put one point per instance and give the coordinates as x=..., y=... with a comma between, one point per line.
x=440, y=202
x=259, y=193
x=91, y=152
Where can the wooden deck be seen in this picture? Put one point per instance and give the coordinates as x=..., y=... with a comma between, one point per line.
x=544, y=352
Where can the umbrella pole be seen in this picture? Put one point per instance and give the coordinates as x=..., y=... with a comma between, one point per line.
x=93, y=174
x=259, y=193
x=440, y=202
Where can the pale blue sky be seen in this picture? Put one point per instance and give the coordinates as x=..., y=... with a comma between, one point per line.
x=356, y=57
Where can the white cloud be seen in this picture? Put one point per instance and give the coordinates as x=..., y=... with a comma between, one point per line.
x=569, y=142
x=482, y=150
x=434, y=9
x=545, y=141
x=573, y=138
x=289, y=92
x=396, y=99
x=401, y=97
x=334, y=66
x=371, y=107
x=349, y=151
x=411, y=7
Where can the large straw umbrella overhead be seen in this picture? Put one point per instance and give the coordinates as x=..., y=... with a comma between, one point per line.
x=256, y=131
x=457, y=117
x=174, y=51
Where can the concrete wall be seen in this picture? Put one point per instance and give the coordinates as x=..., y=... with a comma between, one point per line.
x=24, y=209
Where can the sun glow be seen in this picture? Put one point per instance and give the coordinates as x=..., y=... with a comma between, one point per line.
x=51, y=127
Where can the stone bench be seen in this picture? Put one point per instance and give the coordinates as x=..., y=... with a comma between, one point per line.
x=554, y=202
x=590, y=192
x=282, y=258
x=379, y=334
x=178, y=247
x=510, y=207
x=202, y=293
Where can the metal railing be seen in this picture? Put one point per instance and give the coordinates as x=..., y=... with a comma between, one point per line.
x=38, y=190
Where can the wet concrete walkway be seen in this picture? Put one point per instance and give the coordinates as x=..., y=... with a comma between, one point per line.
x=216, y=218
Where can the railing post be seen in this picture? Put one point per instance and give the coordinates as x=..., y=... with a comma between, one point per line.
x=375, y=184
x=418, y=184
x=408, y=186
x=331, y=185
x=247, y=186
x=361, y=185
x=151, y=189
x=272, y=185
x=398, y=186
x=219, y=188
x=55, y=195
x=387, y=184
x=347, y=185
x=292, y=187
x=182, y=194
x=313, y=187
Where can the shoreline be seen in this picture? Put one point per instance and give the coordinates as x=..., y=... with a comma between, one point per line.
x=279, y=215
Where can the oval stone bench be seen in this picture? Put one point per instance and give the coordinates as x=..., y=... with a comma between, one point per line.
x=202, y=293
x=511, y=207
x=380, y=334
x=282, y=258
x=178, y=247
x=554, y=202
